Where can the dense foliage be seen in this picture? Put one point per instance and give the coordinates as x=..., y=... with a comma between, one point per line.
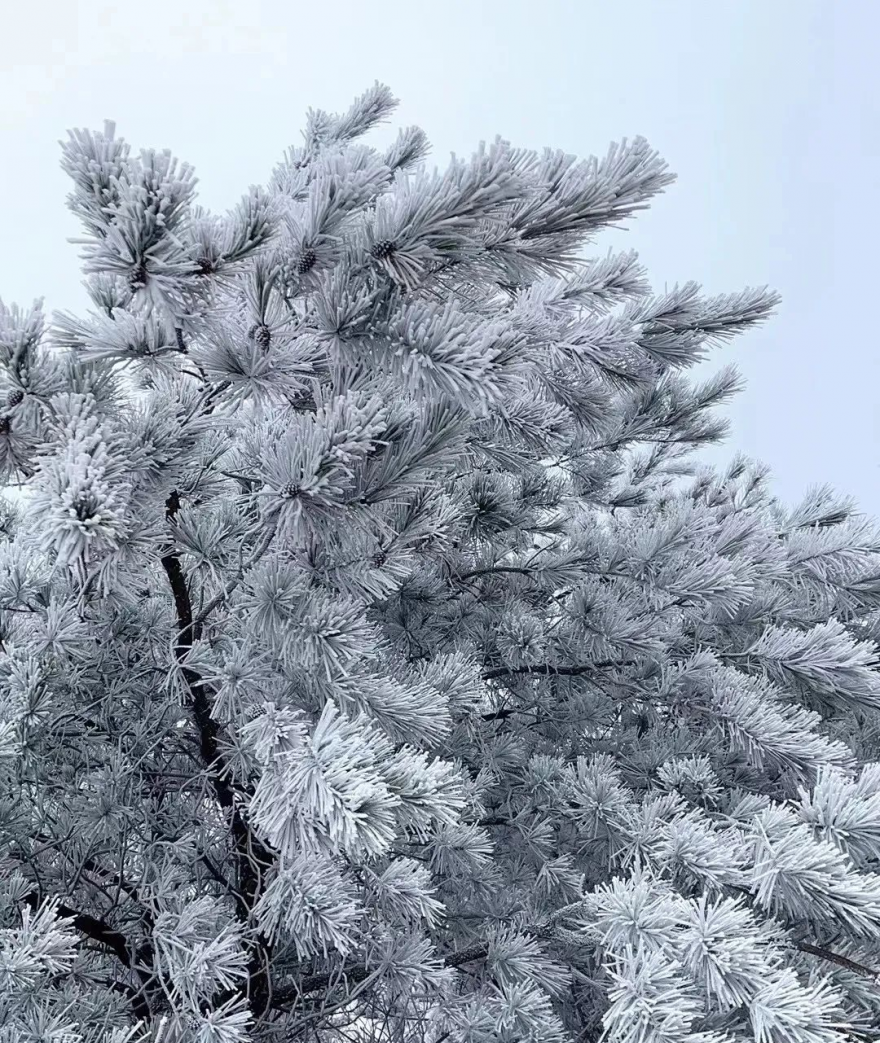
x=376, y=665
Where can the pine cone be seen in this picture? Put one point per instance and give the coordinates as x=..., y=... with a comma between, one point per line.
x=306, y=262
x=262, y=335
x=15, y=396
x=383, y=249
x=137, y=278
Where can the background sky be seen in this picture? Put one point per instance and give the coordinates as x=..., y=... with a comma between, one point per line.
x=767, y=110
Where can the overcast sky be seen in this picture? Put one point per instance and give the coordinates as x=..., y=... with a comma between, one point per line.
x=766, y=109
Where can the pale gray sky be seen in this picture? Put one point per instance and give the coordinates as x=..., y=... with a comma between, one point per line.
x=766, y=109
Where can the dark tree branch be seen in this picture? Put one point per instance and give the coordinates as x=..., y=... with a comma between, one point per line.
x=551, y=670
x=358, y=972
x=517, y=570
x=841, y=961
x=251, y=855
x=479, y=951
x=113, y=941
x=501, y=715
x=116, y=879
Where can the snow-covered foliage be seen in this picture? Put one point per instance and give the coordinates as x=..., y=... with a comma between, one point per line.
x=377, y=665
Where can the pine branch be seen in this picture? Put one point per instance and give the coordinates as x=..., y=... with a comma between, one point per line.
x=516, y=570
x=357, y=972
x=475, y=952
x=239, y=576
x=549, y=669
x=252, y=856
x=115, y=878
x=501, y=715
x=113, y=941
x=840, y=961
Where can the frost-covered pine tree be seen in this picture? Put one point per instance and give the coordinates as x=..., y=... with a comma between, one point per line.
x=377, y=666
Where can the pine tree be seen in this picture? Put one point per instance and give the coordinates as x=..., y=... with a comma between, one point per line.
x=378, y=664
